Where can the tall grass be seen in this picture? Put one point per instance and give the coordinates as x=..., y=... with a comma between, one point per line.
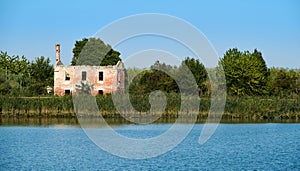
x=36, y=106
x=261, y=107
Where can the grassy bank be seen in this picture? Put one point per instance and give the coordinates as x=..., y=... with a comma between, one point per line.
x=253, y=108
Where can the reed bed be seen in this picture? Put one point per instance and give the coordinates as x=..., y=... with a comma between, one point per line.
x=258, y=107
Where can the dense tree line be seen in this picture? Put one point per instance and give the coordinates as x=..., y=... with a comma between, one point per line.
x=168, y=78
x=20, y=77
x=246, y=73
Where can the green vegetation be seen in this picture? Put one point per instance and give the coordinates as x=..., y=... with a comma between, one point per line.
x=250, y=107
x=19, y=77
x=254, y=90
x=94, y=51
x=246, y=73
x=163, y=77
x=284, y=82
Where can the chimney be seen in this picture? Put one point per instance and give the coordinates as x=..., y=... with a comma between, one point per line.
x=57, y=54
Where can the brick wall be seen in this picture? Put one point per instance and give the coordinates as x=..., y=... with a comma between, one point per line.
x=113, y=78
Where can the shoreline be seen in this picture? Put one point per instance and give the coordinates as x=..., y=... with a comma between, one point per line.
x=73, y=121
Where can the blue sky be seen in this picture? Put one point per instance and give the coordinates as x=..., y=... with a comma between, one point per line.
x=32, y=28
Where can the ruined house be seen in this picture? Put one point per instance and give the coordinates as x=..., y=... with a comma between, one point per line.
x=104, y=79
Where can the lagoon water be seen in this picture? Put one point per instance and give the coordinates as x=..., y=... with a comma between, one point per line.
x=232, y=147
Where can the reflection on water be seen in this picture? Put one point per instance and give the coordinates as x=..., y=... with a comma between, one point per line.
x=37, y=121
x=13, y=121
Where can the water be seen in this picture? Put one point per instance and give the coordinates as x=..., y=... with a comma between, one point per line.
x=232, y=147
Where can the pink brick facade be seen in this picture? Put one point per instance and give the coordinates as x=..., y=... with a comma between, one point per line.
x=105, y=79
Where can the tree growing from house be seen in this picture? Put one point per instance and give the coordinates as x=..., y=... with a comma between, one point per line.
x=94, y=51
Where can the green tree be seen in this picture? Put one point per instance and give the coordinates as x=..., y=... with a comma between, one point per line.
x=246, y=73
x=94, y=51
x=77, y=49
x=4, y=83
x=283, y=82
x=199, y=72
x=131, y=77
x=14, y=73
x=84, y=88
x=42, y=73
x=157, y=78
x=111, y=58
x=7, y=64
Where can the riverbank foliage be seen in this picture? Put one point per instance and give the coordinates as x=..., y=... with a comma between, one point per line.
x=250, y=107
x=253, y=89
